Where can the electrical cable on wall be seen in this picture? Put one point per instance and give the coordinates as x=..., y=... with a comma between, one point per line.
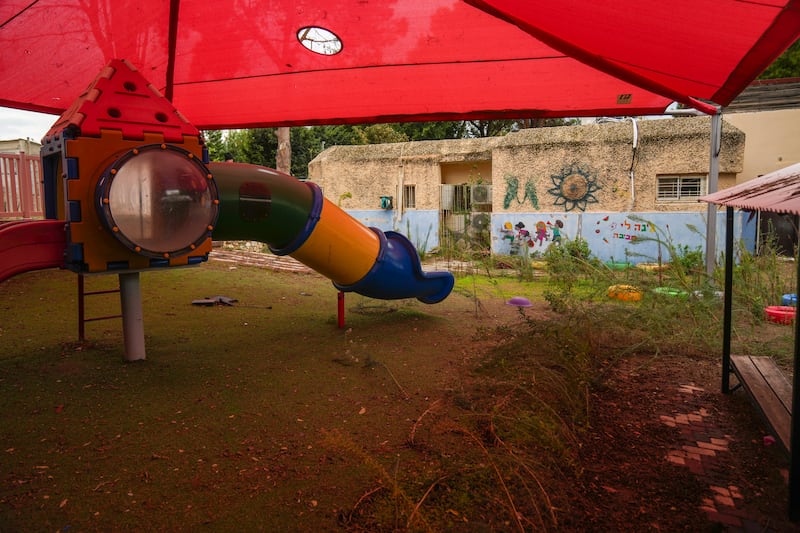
x=631, y=172
x=398, y=209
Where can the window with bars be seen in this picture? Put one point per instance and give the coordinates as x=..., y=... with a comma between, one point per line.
x=681, y=188
x=409, y=196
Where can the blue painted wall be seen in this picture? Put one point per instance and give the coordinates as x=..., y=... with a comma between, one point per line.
x=619, y=237
x=421, y=226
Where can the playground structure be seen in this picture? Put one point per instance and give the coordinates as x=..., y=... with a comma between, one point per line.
x=128, y=188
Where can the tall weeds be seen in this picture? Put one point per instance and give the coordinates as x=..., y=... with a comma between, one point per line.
x=520, y=425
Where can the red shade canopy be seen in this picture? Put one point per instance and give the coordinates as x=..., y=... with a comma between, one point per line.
x=241, y=64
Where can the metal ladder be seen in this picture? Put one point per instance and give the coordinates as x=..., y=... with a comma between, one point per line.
x=82, y=294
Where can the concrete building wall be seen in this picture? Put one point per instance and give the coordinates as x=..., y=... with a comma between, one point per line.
x=604, y=155
x=772, y=140
x=367, y=172
x=587, y=181
x=16, y=146
x=466, y=172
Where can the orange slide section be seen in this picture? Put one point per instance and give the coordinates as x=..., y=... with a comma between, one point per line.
x=31, y=245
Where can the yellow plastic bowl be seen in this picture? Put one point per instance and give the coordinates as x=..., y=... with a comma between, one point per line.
x=651, y=267
x=626, y=293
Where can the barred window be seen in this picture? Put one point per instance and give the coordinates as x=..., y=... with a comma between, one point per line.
x=409, y=196
x=681, y=188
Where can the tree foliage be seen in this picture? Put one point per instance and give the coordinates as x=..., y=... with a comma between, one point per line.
x=488, y=128
x=786, y=66
x=259, y=146
x=495, y=128
x=215, y=144
x=432, y=131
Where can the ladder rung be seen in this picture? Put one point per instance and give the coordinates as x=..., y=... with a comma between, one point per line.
x=107, y=317
x=82, y=320
x=107, y=291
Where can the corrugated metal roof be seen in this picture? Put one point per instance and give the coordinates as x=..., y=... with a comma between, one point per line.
x=777, y=192
x=767, y=95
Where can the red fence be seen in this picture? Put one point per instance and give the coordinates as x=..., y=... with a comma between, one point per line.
x=21, y=186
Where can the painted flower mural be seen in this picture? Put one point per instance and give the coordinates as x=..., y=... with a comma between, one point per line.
x=574, y=187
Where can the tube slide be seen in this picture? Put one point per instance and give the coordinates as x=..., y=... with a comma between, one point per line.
x=31, y=245
x=293, y=218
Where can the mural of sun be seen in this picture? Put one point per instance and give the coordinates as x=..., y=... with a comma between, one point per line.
x=574, y=187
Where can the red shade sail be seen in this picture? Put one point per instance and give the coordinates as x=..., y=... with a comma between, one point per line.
x=241, y=64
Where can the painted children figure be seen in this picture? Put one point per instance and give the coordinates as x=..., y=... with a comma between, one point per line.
x=508, y=232
x=557, y=232
x=523, y=235
x=541, y=232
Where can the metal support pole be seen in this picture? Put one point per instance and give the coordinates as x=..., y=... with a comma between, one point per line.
x=713, y=180
x=81, y=311
x=727, y=322
x=340, y=309
x=794, y=439
x=130, y=296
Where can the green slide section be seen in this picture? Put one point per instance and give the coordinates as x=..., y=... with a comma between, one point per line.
x=259, y=205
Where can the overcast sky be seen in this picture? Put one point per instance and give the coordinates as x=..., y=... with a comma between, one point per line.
x=16, y=124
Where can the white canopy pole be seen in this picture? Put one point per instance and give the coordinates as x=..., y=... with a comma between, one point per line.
x=713, y=181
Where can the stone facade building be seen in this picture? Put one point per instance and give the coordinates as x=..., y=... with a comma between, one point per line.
x=627, y=187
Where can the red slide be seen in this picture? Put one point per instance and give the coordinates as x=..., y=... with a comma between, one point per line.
x=31, y=245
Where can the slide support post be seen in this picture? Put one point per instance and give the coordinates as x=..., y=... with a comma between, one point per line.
x=130, y=296
x=340, y=299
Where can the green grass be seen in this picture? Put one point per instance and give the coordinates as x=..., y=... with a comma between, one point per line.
x=266, y=416
x=97, y=444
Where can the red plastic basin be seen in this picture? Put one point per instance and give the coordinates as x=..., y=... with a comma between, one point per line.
x=780, y=314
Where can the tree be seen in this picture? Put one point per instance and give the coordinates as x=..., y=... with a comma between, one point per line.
x=235, y=142
x=488, y=128
x=495, y=128
x=546, y=122
x=341, y=134
x=786, y=66
x=306, y=144
x=283, y=157
x=431, y=131
x=383, y=133
x=215, y=144
x=258, y=146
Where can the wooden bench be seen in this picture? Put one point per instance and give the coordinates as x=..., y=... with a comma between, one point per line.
x=770, y=390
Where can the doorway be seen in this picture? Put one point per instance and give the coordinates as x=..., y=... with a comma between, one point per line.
x=465, y=206
x=779, y=229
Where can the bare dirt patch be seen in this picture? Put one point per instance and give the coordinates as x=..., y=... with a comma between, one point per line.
x=462, y=416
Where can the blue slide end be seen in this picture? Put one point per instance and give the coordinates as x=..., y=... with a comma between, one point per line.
x=397, y=273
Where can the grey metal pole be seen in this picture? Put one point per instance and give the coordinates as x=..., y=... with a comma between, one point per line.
x=794, y=438
x=130, y=296
x=713, y=180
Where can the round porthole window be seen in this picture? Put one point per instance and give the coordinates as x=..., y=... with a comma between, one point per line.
x=319, y=40
x=158, y=200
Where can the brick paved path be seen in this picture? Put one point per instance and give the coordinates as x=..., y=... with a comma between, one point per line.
x=704, y=448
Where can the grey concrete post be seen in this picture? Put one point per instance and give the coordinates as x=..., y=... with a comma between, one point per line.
x=130, y=296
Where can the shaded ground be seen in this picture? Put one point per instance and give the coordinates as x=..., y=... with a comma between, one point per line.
x=264, y=416
x=669, y=452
